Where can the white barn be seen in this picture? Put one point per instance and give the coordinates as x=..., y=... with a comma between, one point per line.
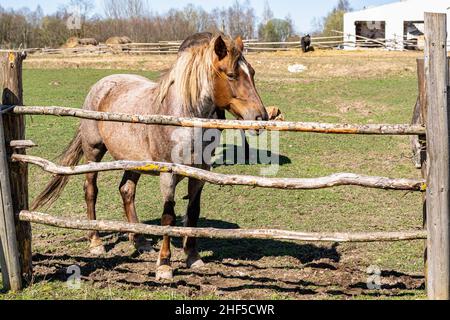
x=399, y=24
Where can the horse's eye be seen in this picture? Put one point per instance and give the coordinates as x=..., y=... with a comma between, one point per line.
x=231, y=76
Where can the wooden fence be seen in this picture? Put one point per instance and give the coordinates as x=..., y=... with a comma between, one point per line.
x=15, y=219
x=171, y=47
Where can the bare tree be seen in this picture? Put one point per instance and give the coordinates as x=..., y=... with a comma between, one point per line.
x=267, y=13
x=125, y=9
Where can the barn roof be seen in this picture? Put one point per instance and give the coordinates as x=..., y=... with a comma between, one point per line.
x=407, y=10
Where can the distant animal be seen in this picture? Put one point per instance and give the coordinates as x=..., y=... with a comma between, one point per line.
x=203, y=79
x=306, y=43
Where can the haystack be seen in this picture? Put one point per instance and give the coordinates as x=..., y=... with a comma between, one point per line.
x=75, y=42
x=88, y=42
x=72, y=42
x=118, y=40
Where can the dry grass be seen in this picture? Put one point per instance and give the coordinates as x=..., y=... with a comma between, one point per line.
x=322, y=64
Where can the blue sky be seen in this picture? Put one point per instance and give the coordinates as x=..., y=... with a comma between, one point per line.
x=302, y=11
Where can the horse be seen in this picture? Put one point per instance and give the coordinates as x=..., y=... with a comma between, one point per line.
x=202, y=38
x=214, y=74
x=306, y=43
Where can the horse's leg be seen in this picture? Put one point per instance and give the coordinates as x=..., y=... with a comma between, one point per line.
x=168, y=183
x=93, y=154
x=193, y=213
x=128, y=191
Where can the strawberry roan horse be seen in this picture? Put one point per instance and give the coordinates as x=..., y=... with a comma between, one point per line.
x=214, y=74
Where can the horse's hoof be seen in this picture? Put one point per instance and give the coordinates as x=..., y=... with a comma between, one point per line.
x=97, y=250
x=194, y=262
x=164, y=272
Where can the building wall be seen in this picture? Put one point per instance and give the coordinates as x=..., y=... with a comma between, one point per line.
x=394, y=15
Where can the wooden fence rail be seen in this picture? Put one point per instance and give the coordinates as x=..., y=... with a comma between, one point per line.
x=118, y=226
x=223, y=179
x=171, y=47
x=366, y=129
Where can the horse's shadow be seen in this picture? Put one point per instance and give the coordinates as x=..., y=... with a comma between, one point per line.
x=255, y=249
x=242, y=252
x=231, y=155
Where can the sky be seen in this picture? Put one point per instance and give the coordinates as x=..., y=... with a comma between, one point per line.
x=302, y=11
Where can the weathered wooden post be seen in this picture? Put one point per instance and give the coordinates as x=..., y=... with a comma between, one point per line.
x=438, y=158
x=14, y=181
x=419, y=117
x=10, y=261
x=419, y=143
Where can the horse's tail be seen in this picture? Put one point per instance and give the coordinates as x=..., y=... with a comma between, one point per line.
x=70, y=157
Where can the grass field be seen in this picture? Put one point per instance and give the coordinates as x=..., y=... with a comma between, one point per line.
x=352, y=88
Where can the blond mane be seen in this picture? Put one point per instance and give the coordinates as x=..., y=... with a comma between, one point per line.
x=191, y=77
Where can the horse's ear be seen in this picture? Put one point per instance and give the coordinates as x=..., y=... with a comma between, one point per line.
x=240, y=43
x=220, y=48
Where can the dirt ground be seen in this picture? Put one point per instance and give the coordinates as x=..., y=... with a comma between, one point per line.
x=302, y=275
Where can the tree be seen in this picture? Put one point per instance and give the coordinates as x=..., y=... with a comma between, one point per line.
x=267, y=13
x=240, y=18
x=343, y=5
x=334, y=20
x=275, y=30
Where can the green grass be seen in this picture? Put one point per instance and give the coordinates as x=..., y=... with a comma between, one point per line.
x=388, y=100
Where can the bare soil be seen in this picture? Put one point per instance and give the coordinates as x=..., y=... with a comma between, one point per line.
x=236, y=275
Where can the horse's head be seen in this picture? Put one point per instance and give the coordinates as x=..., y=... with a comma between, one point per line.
x=234, y=85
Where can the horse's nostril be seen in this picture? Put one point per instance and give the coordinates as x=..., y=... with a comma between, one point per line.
x=259, y=118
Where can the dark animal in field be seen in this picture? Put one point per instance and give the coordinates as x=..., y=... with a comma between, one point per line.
x=205, y=78
x=306, y=43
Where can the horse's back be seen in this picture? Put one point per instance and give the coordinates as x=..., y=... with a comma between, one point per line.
x=115, y=88
x=122, y=93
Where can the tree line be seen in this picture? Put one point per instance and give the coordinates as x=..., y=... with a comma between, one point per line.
x=28, y=28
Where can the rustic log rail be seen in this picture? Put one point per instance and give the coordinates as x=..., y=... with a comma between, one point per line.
x=118, y=226
x=311, y=127
x=171, y=47
x=340, y=179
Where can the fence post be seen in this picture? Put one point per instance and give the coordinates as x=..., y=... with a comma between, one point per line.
x=11, y=273
x=14, y=129
x=438, y=197
x=419, y=143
